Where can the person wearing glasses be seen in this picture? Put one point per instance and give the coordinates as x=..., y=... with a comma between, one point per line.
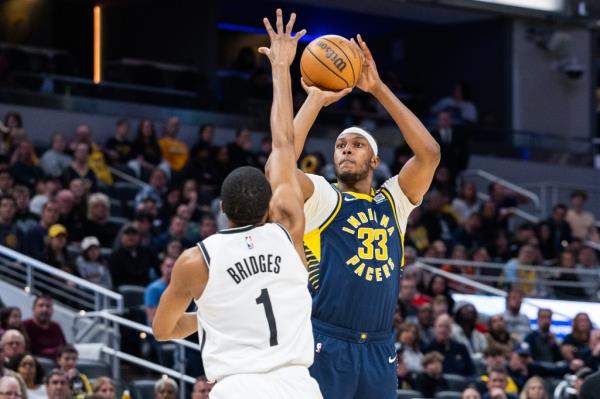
x=32, y=374
x=10, y=388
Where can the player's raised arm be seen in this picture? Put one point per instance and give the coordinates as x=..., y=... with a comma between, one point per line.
x=417, y=174
x=286, y=205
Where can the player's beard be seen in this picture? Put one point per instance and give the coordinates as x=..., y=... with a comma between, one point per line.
x=351, y=178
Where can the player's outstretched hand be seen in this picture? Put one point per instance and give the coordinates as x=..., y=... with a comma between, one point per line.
x=283, y=44
x=369, y=78
x=325, y=97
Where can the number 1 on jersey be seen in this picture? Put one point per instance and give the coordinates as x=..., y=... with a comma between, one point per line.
x=266, y=301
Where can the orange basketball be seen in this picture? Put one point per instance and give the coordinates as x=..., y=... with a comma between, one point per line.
x=331, y=62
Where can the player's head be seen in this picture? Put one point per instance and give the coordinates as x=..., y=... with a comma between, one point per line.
x=245, y=196
x=355, y=156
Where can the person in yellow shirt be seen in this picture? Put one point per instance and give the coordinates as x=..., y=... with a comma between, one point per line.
x=174, y=151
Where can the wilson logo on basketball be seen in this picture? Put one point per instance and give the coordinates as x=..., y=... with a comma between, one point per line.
x=331, y=55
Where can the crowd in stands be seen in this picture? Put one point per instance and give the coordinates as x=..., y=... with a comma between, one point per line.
x=59, y=204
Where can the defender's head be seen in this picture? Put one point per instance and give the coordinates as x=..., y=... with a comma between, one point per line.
x=245, y=196
x=355, y=156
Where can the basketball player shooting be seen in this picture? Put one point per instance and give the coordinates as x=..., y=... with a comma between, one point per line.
x=354, y=243
x=249, y=281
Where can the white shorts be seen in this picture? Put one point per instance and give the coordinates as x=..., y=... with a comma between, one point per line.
x=285, y=383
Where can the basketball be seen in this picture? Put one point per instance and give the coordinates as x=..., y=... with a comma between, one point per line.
x=331, y=62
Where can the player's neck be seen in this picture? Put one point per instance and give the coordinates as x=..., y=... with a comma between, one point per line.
x=361, y=187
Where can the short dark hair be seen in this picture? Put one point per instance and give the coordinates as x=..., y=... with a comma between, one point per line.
x=544, y=310
x=245, y=195
x=431, y=357
x=579, y=193
x=497, y=370
x=14, y=363
x=54, y=372
x=559, y=206
x=67, y=348
x=43, y=296
x=492, y=351
x=7, y=197
x=122, y=121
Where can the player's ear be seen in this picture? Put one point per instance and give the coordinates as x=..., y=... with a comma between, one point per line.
x=375, y=161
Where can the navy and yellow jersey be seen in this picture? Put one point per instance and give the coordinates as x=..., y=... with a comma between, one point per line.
x=354, y=248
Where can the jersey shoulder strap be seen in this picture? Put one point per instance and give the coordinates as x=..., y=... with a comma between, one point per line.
x=204, y=253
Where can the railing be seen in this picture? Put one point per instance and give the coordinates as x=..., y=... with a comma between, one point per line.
x=128, y=178
x=535, y=199
x=112, y=322
x=487, y=273
x=553, y=192
x=36, y=277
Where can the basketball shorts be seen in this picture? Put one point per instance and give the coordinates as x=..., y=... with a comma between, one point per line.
x=354, y=365
x=291, y=382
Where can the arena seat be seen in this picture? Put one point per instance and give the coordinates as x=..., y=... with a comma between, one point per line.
x=133, y=296
x=408, y=394
x=47, y=364
x=142, y=389
x=448, y=395
x=456, y=382
x=93, y=368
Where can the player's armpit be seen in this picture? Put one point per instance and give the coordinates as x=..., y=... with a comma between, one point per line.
x=306, y=185
x=188, y=280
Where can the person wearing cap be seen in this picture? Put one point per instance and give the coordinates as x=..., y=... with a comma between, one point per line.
x=131, y=262
x=55, y=250
x=354, y=239
x=90, y=264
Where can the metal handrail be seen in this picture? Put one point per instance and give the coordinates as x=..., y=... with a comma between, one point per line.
x=32, y=263
x=128, y=178
x=512, y=186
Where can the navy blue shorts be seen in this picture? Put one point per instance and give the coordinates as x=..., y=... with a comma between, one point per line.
x=354, y=365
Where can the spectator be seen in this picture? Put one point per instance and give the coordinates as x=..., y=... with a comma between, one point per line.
x=588, y=260
x=10, y=387
x=57, y=385
x=118, y=147
x=144, y=222
x=98, y=223
x=591, y=356
x=206, y=135
x=13, y=345
x=416, y=231
x=104, y=387
x=496, y=385
x=542, y=342
x=174, y=151
x=55, y=251
x=79, y=383
x=547, y=247
x=240, y=150
x=165, y=388
x=579, y=337
x=206, y=228
x=146, y=150
x=32, y=374
x=155, y=290
x=516, y=323
x=23, y=169
x=517, y=277
x=567, y=261
x=202, y=388
x=498, y=336
x=54, y=161
x=80, y=168
x=406, y=379
x=438, y=285
x=534, y=389
x=580, y=376
x=65, y=200
x=456, y=356
x=560, y=230
x=582, y=222
x=439, y=306
x=176, y=231
x=464, y=331
x=46, y=335
x=431, y=381
x=590, y=387
x=454, y=144
x=425, y=323
x=471, y=393
x=459, y=105
x=46, y=188
x=8, y=227
x=131, y=262
x=11, y=319
x=80, y=196
x=23, y=214
x=408, y=291
x=500, y=251
x=469, y=235
x=90, y=265
x=155, y=190
x=494, y=358
x=408, y=336
x=438, y=222
x=6, y=180
x=467, y=202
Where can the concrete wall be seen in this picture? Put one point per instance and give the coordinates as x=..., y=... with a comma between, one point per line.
x=545, y=100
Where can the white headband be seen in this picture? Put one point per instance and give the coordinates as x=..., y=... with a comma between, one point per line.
x=363, y=133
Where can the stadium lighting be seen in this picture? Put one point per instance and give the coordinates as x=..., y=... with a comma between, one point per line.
x=540, y=5
x=97, y=44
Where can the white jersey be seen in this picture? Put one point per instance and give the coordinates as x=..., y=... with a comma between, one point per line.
x=254, y=314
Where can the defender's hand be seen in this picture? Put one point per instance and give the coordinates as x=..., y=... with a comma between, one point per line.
x=283, y=44
x=324, y=97
x=369, y=78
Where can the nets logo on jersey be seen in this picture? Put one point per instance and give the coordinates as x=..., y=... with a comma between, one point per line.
x=371, y=261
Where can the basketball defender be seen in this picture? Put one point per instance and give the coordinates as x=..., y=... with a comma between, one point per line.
x=249, y=282
x=354, y=244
